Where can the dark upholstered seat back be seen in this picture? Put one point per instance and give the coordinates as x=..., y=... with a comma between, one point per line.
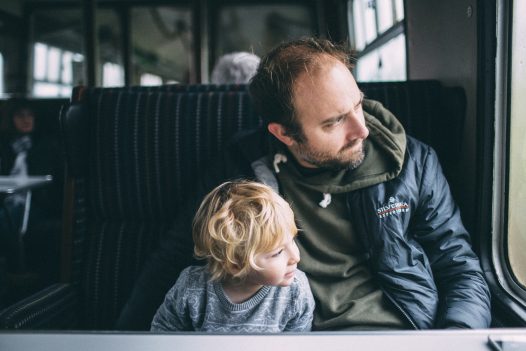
x=429, y=111
x=133, y=155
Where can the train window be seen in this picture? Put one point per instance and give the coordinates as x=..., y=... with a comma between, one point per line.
x=377, y=32
x=57, y=52
x=53, y=71
x=161, y=40
x=258, y=28
x=110, y=47
x=112, y=74
x=516, y=226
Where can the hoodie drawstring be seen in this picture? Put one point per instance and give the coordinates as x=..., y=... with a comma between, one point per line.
x=278, y=158
x=327, y=198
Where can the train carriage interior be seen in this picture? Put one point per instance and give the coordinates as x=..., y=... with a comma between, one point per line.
x=121, y=92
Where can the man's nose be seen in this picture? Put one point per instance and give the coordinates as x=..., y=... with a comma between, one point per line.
x=356, y=128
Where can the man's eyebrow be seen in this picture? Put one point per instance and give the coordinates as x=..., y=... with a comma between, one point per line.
x=336, y=118
x=362, y=96
x=333, y=119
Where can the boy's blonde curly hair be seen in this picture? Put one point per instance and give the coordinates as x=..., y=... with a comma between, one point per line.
x=236, y=221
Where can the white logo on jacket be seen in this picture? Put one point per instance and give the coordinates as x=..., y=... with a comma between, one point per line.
x=393, y=207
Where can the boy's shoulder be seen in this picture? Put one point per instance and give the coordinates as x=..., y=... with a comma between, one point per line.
x=300, y=278
x=193, y=276
x=300, y=283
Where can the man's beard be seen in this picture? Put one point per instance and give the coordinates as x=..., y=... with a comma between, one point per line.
x=334, y=162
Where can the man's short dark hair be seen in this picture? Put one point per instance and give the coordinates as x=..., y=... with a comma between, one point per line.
x=271, y=89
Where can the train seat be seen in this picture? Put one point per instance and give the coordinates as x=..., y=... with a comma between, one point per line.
x=132, y=157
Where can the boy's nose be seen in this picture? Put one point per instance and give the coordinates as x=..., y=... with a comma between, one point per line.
x=294, y=255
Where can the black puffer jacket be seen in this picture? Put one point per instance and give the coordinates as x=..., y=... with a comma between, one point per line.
x=419, y=251
x=418, y=248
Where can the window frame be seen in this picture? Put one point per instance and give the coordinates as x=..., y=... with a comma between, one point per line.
x=506, y=290
x=214, y=8
x=397, y=28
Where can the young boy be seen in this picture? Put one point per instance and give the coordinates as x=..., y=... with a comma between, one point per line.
x=250, y=284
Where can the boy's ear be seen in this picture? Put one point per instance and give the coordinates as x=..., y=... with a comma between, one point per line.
x=279, y=131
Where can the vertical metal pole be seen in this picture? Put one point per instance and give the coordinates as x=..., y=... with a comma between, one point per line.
x=124, y=14
x=90, y=40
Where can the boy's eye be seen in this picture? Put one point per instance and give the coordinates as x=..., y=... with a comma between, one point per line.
x=277, y=253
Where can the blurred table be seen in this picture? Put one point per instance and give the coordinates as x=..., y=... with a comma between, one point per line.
x=15, y=184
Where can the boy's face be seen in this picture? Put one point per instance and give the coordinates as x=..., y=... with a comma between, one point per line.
x=279, y=265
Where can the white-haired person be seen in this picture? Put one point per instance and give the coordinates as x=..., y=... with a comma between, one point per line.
x=235, y=68
x=250, y=283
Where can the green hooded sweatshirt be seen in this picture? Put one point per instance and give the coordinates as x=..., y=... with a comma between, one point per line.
x=332, y=255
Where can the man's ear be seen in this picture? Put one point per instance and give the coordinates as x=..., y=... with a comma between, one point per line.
x=279, y=131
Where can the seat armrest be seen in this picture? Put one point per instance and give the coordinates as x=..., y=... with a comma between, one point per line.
x=55, y=307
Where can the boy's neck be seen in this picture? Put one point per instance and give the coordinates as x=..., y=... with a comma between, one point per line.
x=239, y=291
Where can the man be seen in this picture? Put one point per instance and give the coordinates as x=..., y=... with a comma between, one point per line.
x=382, y=242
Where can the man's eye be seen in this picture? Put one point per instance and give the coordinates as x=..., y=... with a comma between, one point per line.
x=277, y=253
x=334, y=124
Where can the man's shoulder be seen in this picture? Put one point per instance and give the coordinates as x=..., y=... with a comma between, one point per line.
x=417, y=150
x=253, y=143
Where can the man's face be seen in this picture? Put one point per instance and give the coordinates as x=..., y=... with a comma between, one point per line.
x=328, y=107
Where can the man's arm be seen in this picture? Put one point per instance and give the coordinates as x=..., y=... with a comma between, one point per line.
x=464, y=297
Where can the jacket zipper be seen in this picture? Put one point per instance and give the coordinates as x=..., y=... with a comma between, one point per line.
x=367, y=249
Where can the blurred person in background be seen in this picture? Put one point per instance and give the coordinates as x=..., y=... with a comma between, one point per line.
x=235, y=68
x=25, y=151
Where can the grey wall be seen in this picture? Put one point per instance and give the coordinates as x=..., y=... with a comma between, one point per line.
x=13, y=7
x=442, y=44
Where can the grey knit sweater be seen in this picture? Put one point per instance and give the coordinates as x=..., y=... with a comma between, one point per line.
x=198, y=304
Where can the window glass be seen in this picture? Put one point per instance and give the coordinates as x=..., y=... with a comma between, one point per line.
x=110, y=47
x=40, y=59
x=358, y=25
x=67, y=72
x=57, y=52
x=399, y=8
x=379, y=39
x=161, y=40
x=369, y=15
x=53, y=63
x=385, y=14
x=53, y=74
x=517, y=147
x=388, y=63
x=112, y=75
x=258, y=28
